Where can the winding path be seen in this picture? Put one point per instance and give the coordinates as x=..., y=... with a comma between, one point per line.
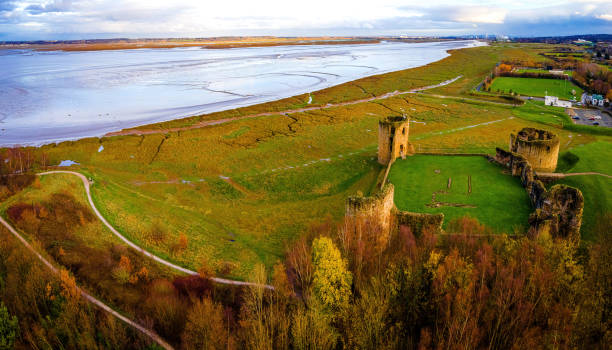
x=156, y=338
x=562, y=175
x=204, y=123
x=138, y=248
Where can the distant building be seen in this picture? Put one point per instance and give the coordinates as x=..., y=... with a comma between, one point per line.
x=556, y=72
x=597, y=100
x=583, y=42
x=554, y=101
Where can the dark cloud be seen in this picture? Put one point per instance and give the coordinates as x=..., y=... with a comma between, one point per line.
x=55, y=6
x=7, y=5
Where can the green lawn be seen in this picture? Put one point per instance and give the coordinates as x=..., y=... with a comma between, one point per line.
x=597, y=190
x=536, y=87
x=589, y=157
x=498, y=200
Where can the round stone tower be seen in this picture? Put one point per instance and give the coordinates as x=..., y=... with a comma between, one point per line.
x=392, y=138
x=540, y=147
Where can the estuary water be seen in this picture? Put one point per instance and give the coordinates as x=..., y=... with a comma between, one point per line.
x=55, y=96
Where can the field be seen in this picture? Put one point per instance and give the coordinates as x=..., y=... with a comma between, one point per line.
x=541, y=71
x=597, y=190
x=242, y=190
x=477, y=188
x=536, y=87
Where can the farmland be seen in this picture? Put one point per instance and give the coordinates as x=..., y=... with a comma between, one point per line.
x=536, y=87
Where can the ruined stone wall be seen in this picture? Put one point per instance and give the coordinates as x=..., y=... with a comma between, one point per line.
x=381, y=208
x=420, y=222
x=539, y=147
x=558, y=211
x=378, y=207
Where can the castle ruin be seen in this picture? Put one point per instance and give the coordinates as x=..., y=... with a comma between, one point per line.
x=393, y=139
x=539, y=147
x=558, y=211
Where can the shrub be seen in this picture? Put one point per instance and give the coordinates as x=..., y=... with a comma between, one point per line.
x=9, y=329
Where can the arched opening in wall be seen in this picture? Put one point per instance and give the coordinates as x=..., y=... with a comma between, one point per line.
x=403, y=131
x=402, y=151
x=548, y=148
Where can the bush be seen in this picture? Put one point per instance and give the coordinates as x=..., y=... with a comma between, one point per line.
x=9, y=329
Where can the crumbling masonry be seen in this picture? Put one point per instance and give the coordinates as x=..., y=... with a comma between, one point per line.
x=558, y=211
x=539, y=147
x=393, y=139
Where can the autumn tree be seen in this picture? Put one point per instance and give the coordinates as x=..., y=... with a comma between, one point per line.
x=331, y=278
x=206, y=327
x=299, y=264
x=311, y=328
x=256, y=330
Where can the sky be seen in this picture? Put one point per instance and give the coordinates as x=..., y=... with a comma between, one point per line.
x=87, y=19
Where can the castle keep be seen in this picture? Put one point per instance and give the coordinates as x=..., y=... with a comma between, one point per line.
x=393, y=139
x=539, y=147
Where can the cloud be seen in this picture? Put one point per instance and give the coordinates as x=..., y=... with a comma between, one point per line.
x=55, y=6
x=70, y=19
x=463, y=14
x=7, y=5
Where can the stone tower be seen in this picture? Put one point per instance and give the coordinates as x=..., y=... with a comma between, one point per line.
x=392, y=138
x=540, y=147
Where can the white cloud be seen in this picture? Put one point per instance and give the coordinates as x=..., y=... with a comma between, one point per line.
x=139, y=18
x=606, y=16
x=479, y=14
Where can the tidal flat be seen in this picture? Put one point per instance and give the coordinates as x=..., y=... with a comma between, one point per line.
x=52, y=96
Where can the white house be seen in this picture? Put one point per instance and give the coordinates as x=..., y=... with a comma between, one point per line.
x=554, y=101
x=597, y=100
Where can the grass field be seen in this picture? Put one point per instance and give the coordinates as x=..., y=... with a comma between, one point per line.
x=597, y=190
x=536, y=87
x=496, y=199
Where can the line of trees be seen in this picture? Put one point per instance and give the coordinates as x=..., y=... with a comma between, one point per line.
x=597, y=78
x=353, y=288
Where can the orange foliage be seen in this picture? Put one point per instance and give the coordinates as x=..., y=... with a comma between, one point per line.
x=125, y=263
x=69, y=287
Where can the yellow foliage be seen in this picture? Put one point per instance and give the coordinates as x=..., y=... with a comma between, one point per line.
x=332, y=280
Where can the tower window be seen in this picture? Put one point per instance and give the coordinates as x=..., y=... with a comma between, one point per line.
x=404, y=131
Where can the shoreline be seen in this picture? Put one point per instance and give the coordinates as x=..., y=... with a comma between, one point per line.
x=206, y=43
x=168, y=45
x=134, y=129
